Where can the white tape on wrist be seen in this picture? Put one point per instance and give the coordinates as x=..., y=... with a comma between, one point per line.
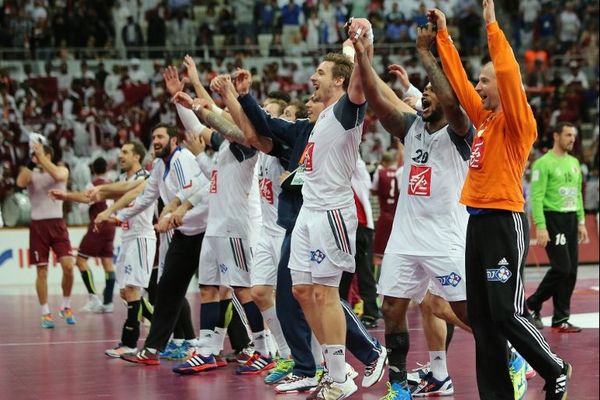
x=216, y=110
x=349, y=52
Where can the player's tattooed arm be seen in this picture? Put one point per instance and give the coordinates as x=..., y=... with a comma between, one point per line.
x=457, y=119
x=395, y=122
x=227, y=128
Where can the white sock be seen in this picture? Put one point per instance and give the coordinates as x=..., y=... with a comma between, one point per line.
x=260, y=345
x=437, y=360
x=66, y=302
x=335, y=358
x=178, y=342
x=219, y=339
x=206, y=342
x=317, y=350
x=45, y=309
x=270, y=318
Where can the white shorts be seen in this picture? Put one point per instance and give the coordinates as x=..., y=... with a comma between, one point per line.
x=409, y=277
x=163, y=247
x=135, y=261
x=224, y=261
x=265, y=259
x=324, y=242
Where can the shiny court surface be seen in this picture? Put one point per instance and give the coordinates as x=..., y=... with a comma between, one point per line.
x=68, y=362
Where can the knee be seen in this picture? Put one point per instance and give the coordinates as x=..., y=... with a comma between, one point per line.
x=243, y=294
x=122, y=294
x=209, y=294
x=261, y=295
x=131, y=293
x=302, y=293
x=42, y=272
x=392, y=314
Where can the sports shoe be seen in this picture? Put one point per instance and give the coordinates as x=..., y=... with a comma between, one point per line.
x=415, y=376
x=565, y=327
x=92, y=305
x=255, y=365
x=196, y=364
x=517, y=370
x=174, y=351
x=331, y=390
x=397, y=391
x=47, y=321
x=369, y=322
x=557, y=389
x=243, y=356
x=529, y=371
x=296, y=384
x=106, y=308
x=431, y=387
x=67, y=314
x=119, y=350
x=537, y=320
x=282, y=369
x=374, y=371
x=143, y=356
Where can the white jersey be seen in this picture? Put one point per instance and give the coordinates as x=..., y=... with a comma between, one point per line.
x=269, y=171
x=230, y=185
x=140, y=225
x=42, y=206
x=330, y=156
x=429, y=220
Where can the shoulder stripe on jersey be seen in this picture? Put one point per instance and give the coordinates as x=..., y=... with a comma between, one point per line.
x=338, y=228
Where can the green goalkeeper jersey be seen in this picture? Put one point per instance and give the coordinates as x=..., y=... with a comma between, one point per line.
x=556, y=186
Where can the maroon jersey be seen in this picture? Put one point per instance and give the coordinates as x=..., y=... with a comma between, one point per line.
x=385, y=186
x=97, y=208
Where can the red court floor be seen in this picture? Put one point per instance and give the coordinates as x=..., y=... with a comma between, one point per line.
x=68, y=362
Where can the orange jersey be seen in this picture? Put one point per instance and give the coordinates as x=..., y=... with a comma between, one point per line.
x=503, y=140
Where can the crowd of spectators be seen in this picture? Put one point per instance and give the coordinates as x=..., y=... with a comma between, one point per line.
x=89, y=111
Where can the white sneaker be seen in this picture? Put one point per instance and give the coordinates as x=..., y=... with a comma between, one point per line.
x=297, y=384
x=93, y=304
x=374, y=371
x=350, y=371
x=106, y=309
x=415, y=376
x=120, y=349
x=332, y=390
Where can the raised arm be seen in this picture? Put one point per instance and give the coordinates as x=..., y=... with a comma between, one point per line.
x=457, y=119
x=390, y=110
x=78, y=197
x=464, y=90
x=192, y=74
x=517, y=112
x=58, y=173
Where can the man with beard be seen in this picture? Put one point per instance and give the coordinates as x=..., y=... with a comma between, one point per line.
x=427, y=240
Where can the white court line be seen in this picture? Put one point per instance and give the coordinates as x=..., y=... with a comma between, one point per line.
x=59, y=343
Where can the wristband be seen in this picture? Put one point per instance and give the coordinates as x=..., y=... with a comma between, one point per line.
x=370, y=35
x=349, y=52
x=216, y=109
x=582, y=222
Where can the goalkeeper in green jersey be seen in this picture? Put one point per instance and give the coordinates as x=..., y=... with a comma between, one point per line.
x=560, y=225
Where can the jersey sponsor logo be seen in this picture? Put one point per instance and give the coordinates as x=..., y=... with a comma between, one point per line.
x=266, y=190
x=213, y=181
x=501, y=274
x=307, y=156
x=317, y=256
x=476, y=160
x=449, y=280
x=419, y=181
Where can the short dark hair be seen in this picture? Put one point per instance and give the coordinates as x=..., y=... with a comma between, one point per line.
x=301, y=111
x=99, y=166
x=342, y=67
x=138, y=148
x=172, y=130
x=561, y=125
x=279, y=95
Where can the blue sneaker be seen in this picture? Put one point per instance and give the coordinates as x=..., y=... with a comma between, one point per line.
x=47, y=321
x=196, y=365
x=517, y=369
x=283, y=368
x=168, y=351
x=67, y=315
x=397, y=391
x=431, y=387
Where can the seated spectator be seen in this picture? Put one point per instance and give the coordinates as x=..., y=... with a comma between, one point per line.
x=575, y=74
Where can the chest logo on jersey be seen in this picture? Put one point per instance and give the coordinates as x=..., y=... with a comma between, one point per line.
x=419, y=181
x=266, y=190
x=307, y=157
x=477, y=150
x=213, y=182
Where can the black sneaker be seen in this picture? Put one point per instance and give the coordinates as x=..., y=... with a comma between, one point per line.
x=369, y=322
x=536, y=319
x=557, y=389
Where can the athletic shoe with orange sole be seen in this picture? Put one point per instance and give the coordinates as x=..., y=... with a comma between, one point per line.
x=144, y=356
x=196, y=364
